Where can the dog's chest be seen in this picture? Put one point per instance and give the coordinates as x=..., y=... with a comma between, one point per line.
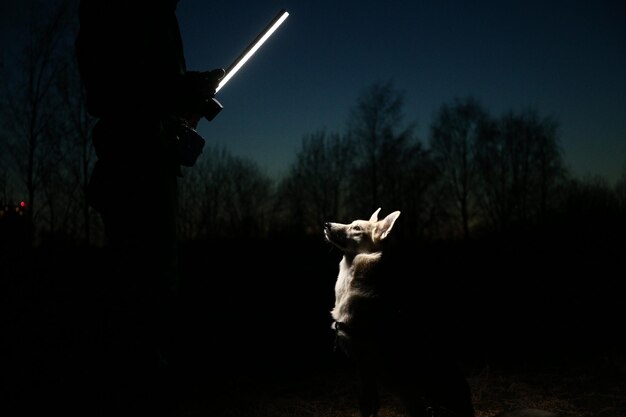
x=342, y=291
x=355, y=293
x=344, y=279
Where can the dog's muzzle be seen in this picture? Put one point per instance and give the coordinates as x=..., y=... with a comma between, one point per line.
x=327, y=230
x=334, y=236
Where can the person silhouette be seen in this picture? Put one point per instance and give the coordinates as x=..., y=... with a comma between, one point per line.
x=147, y=105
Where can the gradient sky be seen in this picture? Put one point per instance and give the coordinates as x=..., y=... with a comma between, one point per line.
x=565, y=59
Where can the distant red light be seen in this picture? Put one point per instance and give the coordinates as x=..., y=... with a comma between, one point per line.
x=22, y=204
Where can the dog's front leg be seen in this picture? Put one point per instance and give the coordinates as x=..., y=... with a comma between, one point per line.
x=368, y=391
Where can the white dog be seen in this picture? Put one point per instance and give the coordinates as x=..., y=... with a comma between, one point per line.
x=381, y=341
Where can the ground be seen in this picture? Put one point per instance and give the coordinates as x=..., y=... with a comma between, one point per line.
x=595, y=387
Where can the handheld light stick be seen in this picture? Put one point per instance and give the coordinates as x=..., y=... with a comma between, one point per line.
x=245, y=56
x=253, y=47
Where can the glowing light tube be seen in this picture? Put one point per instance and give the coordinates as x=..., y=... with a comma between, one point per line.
x=252, y=48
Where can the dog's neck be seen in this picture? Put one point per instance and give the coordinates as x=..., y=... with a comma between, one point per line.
x=350, y=257
x=355, y=287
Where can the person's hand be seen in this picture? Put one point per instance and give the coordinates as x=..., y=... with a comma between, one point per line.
x=193, y=119
x=212, y=79
x=201, y=86
x=204, y=83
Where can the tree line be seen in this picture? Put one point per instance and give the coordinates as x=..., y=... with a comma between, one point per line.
x=474, y=174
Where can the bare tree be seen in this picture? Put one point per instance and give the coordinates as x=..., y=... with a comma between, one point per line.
x=202, y=194
x=417, y=191
x=31, y=113
x=454, y=135
x=519, y=161
x=315, y=188
x=547, y=157
x=78, y=151
x=381, y=144
x=223, y=195
x=248, y=199
x=493, y=160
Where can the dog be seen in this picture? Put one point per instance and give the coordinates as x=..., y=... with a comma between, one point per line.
x=383, y=342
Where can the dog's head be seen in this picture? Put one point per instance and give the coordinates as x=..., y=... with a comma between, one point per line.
x=360, y=236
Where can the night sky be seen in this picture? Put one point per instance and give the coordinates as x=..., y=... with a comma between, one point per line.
x=565, y=59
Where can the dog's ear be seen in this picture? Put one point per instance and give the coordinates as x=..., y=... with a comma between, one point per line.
x=374, y=216
x=385, y=225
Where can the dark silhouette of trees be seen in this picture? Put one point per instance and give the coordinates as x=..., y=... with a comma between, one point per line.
x=418, y=189
x=476, y=172
x=249, y=193
x=381, y=147
x=484, y=172
x=224, y=196
x=78, y=152
x=201, y=195
x=31, y=119
x=316, y=186
x=497, y=173
x=454, y=138
x=519, y=164
x=590, y=213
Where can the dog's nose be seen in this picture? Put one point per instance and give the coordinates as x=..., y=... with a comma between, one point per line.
x=327, y=225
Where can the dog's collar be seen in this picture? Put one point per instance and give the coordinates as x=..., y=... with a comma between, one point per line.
x=340, y=326
x=351, y=330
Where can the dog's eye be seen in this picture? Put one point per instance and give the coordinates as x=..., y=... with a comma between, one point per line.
x=356, y=228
